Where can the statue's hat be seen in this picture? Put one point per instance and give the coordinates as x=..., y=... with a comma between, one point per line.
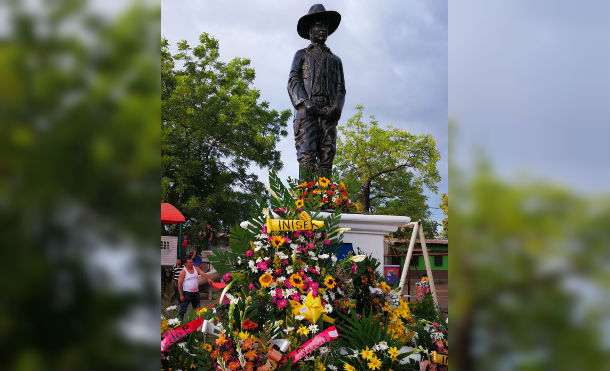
x=316, y=12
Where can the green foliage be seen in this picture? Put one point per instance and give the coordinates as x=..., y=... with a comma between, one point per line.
x=359, y=333
x=445, y=207
x=213, y=129
x=387, y=168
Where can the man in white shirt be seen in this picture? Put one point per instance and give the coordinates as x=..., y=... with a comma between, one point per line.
x=188, y=286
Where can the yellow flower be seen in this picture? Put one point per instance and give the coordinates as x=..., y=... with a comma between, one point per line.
x=375, y=363
x=244, y=335
x=367, y=354
x=265, y=280
x=202, y=311
x=323, y=182
x=330, y=282
x=304, y=184
x=348, y=367
x=207, y=347
x=384, y=286
x=296, y=281
x=320, y=367
x=393, y=352
x=302, y=330
x=277, y=241
x=299, y=203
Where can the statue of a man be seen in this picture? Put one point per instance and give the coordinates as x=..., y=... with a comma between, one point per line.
x=317, y=89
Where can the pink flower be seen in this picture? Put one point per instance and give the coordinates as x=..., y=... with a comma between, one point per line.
x=251, y=286
x=264, y=230
x=278, y=293
x=249, y=253
x=226, y=277
x=262, y=266
x=279, y=210
x=297, y=234
x=281, y=303
x=355, y=268
x=327, y=242
x=295, y=297
x=310, y=245
x=278, y=271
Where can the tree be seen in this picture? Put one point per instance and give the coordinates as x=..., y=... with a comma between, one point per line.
x=387, y=168
x=213, y=130
x=445, y=207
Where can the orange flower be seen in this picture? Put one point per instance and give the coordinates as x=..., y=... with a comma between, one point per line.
x=221, y=340
x=330, y=282
x=249, y=366
x=277, y=241
x=251, y=355
x=265, y=280
x=323, y=182
x=247, y=344
x=233, y=365
x=248, y=325
x=296, y=281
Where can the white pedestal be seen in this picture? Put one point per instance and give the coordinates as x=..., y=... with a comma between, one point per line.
x=368, y=232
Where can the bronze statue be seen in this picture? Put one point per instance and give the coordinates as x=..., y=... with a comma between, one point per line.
x=317, y=89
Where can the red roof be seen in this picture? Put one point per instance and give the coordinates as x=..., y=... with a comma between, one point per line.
x=170, y=215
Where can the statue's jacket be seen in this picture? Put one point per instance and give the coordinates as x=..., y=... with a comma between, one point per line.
x=302, y=75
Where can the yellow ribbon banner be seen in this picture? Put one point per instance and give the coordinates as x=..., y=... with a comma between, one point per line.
x=293, y=225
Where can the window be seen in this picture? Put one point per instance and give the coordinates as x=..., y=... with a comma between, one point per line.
x=414, y=261
x=438, y=260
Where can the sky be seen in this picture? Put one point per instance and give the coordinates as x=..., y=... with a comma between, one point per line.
x=528, y=85
x=394, y=58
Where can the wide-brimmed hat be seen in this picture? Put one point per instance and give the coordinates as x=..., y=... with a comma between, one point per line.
x=318, y=12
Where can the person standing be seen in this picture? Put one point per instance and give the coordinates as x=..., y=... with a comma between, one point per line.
x=209, y=234
x=316, y=87
x=188, y=286
x=176, y=269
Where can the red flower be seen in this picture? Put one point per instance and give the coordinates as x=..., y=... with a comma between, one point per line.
x=330, y=193
x=310, y=184
x=248, y=325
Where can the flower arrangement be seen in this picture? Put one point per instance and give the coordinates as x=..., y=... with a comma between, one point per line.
x=292, y=304
x=326, y=193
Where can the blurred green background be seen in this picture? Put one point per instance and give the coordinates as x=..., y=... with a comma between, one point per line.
x=79, y=186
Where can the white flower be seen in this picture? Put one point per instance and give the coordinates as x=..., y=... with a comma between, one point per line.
x=173, y=321
x=254, y=270
x=301, y=239
x=325, y=297
x=381, y=346
x=339, y=291
x=323, y=256
x=299, y=317
x=310, y=253
x=261, y=236
x=323, y=349
x=173, y=307
x=182, y=345
x=318, y=268
x=294, y=246
x=309, y=358
x=288, y=329
x=277, y=323
x=290, y=291
x=251, y=264
x=281, y=255
x=358, y=258
x=328, y=308
x=332, y=367
x=313, y=328
x=162, y=317
x=269, y=271
x=303, y=297
x=257, y=248
x=281, y=279
x=259, y=260
x=313, y=258
x=305, y=267
x=220, y=327
x=332, y=295
x=234, y=300
x=214, y=310
x=333, y=258
x=289, y=269
x=273, y=285
x=239, y=260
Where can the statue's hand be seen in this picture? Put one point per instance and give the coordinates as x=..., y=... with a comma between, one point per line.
x=311, y=108
x=332, y=112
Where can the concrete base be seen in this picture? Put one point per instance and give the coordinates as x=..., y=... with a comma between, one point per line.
x=368, y=232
